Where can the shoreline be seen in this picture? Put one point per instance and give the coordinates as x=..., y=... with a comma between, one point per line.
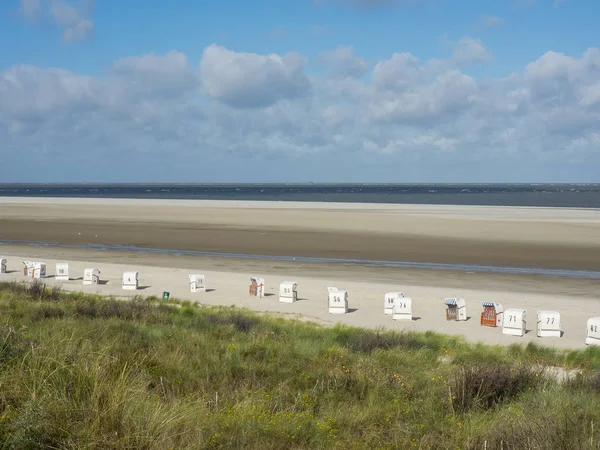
x=538, y=238
x=522, y=283
x=228, y=286
x=280, y=204
x=458, y=268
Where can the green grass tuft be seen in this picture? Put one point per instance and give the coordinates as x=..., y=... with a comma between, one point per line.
x=82, y=371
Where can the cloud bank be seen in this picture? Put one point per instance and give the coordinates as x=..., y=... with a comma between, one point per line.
x=250, y=117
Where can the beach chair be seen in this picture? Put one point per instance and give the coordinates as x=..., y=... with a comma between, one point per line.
x=491, y=314
x=456, y=309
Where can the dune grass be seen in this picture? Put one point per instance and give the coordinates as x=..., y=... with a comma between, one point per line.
x=80, y=371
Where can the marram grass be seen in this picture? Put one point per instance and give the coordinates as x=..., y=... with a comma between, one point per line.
x=80, y=371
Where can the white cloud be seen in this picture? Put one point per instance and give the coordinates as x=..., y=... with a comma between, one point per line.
x=250, y=117
x=469, y=50
x=450, y=93
x=400, y=72
x=590, y=95
x=342, y=62
x=72, y=17
x=249, y=80
x=150, y=76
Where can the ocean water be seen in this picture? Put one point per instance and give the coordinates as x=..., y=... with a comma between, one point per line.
x=544, y=195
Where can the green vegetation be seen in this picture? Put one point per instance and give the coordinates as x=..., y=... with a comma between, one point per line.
x=78, y=371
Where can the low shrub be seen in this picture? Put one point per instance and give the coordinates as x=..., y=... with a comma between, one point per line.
x=240, y=321
x=34, y=291
x=485, y=386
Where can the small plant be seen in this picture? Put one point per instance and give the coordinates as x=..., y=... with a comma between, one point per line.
x=13, y=344
x=48, y=312
x=366, y=341
x=34, y=291
x=486, y=386
x=38, y=291
x=136, y=309
x=241, y=322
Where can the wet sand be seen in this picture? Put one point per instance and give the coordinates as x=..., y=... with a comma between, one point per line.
x=550, y=238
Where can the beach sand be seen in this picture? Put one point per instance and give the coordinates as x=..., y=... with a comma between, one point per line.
x=529, y=237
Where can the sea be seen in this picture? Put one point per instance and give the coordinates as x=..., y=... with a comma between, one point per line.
x=528, y=195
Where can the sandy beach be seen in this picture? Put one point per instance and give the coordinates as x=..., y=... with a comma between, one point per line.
x=518, y=237
x=550, y=238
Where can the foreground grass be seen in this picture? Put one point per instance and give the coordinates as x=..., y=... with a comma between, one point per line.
x=78, y=371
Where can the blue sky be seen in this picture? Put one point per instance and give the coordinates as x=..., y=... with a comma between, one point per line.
x=303, y=90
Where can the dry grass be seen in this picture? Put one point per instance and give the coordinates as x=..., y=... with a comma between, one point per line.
x=80, y=371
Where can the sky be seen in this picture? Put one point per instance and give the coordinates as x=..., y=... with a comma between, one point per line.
x=367, y=91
